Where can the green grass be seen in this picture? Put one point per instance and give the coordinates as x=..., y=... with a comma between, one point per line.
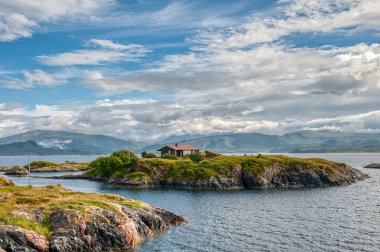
x=137, y=176
x=49, y=198
x=43, y=228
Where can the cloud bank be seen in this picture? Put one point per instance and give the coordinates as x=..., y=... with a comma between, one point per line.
x=249, y=77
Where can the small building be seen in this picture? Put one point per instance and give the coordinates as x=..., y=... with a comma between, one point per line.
x=178, y=150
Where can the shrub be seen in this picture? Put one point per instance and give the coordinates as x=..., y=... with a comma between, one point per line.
x=151, y=155
x=210, y=154
x=195, y=157
x=169, y=156
x=119, y=163
x=144, y=154
x=107, y=166
x=130, y=161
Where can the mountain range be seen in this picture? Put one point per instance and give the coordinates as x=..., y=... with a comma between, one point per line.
x=301, y=141
x=43, y=142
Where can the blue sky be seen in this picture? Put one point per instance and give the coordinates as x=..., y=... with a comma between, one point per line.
x=149, y=69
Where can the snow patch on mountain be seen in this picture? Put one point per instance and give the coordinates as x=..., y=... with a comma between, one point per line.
x=55, y=143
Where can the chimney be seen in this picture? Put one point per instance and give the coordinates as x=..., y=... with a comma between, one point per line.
x=176, y=144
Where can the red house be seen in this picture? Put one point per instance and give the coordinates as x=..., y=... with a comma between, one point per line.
x=178, y=150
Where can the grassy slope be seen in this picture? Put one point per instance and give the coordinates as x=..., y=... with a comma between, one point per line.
x=46, y=199
x=221, y=166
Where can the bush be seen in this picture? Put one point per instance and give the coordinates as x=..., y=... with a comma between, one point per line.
x=107, y=166
x=119, y=163
x=130, y=161
x=169, y=156
x=195, y=157
x=210, y=154
x=151, y=155
x=144, y=154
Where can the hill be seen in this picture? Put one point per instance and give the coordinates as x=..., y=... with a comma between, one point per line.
x=45, y=142
x=32, y=148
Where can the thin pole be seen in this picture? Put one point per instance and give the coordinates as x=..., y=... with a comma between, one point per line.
x=29, y=168
x=129, y=149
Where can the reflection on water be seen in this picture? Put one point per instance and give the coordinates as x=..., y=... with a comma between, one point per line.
x=320, y=219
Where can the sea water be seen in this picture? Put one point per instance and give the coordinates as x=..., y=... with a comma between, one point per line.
x=314, y=219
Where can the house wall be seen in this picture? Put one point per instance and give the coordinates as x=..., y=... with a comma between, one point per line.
x=177, y=153
x=167, y=150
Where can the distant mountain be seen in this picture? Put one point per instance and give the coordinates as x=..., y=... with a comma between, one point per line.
x=239, y=142
x=301, y=141
x=33, y=148
x=180, y=138
x=63, y=142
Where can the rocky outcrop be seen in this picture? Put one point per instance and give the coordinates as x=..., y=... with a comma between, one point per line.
x=17, y=171
x=5, y=168
x=211, y=183
x=55, y=219
x=104, y=230
x=373, y=166
x=97, y=230
x=293, y=175
x=5, y=182
x=14, y=238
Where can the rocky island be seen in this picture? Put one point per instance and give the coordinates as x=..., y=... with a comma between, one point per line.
x=213, y=171
x=373, y=166
x=45, y=166
x=52, y=218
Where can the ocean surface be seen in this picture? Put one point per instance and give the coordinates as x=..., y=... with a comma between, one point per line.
x=318, y=219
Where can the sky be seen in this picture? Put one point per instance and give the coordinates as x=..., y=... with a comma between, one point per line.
x=149, y=69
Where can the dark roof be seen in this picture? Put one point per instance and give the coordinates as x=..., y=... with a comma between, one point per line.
x=180, y=147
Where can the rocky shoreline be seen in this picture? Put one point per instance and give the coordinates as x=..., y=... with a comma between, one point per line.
x=74, y=221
